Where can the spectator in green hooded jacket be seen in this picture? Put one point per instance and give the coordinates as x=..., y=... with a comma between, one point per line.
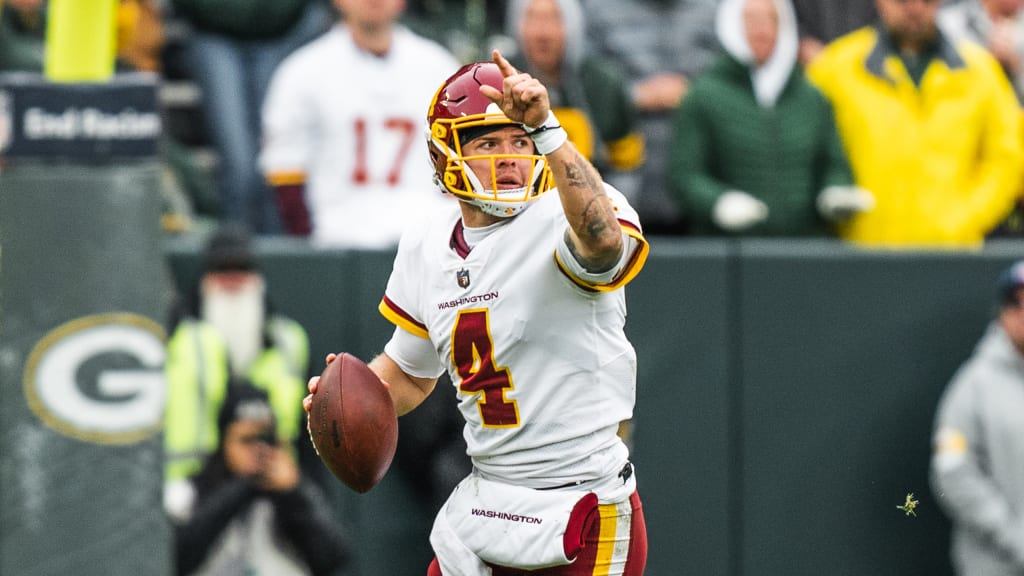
x=756, y=150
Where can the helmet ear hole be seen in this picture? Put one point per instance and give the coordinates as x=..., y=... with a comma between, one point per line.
x=443, y=178
x=437, y=159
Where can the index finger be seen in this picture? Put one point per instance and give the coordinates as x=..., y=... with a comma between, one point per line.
x=507, y=69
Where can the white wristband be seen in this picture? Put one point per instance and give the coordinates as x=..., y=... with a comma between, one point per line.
x=549, y=136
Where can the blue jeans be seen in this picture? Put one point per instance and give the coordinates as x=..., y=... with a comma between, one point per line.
x=233, y=75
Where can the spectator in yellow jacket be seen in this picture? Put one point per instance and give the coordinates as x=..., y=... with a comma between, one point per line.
x=932, y=129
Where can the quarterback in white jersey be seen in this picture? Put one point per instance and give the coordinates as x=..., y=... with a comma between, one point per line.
x=543, y=371
x=516, y=292
x=343, y=136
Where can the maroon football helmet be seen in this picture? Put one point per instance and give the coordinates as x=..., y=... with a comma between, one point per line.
x=457, y=113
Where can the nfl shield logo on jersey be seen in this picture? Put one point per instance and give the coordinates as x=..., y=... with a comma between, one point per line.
x=463, y=278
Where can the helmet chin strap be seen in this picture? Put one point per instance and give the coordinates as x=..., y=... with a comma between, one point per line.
x=499, y=208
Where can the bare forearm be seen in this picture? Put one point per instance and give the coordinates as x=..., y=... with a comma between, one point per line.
x=406, y=391
x=594, y=234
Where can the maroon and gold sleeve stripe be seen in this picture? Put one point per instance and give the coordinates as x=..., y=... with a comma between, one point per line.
x=401, y=318
x=636, y=263
x=629, y=271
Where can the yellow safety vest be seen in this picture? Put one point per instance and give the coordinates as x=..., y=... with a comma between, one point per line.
x=197, y=377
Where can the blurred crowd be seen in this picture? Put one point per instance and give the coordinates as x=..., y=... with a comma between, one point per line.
x=781, y=118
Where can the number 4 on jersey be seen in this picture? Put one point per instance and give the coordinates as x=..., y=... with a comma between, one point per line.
x=473, y=357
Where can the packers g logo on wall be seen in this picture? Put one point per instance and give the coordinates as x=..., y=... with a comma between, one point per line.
x=99, y=378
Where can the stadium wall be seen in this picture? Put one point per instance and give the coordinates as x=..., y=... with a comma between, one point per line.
x=82, y=290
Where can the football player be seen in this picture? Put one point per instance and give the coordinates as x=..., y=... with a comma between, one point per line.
x=517, y=293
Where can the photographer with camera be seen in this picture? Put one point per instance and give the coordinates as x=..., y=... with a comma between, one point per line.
x=249, y=510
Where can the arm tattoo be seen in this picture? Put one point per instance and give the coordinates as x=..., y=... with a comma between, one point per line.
x=593, y=221
x=581, y=177
x=576, y=173
x=592, y=265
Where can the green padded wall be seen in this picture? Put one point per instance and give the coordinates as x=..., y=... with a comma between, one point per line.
x=83, y=288
x=845, y=353
x=679, y=324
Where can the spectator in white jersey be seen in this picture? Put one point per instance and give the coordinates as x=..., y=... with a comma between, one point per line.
x=343, y=125
x=516, y=291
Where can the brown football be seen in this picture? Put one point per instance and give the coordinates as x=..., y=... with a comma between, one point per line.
x=352, y=423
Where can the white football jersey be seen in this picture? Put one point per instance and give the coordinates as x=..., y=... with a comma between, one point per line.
x=541, y=366
x=352, y=126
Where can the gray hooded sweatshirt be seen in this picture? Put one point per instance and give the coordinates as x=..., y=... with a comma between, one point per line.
x=977, y=467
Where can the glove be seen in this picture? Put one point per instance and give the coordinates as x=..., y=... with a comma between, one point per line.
x=837, y=203
x=735, y=211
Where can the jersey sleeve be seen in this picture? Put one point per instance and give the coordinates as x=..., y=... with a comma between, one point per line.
x=633, y=257
x=401, y=301
x=414, y=355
